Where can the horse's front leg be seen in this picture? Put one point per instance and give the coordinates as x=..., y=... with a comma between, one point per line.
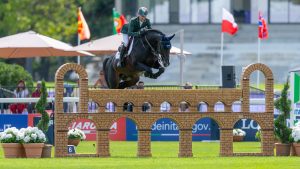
x=144, y=68
x=161, y=70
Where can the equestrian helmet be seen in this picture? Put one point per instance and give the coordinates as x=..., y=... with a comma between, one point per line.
x=143, y=11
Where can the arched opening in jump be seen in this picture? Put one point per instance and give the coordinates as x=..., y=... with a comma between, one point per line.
x=184, y=106
x=120, y=144
x=202, y=107
x=165, y=106
x=82, y=137
x=71, y=92
x=206, y=137
x=165, y=132
x=219, y=107
x=246, y=136
x=257, y=91
x=128, y=107
x=236, y=106
x=93, y=107
x=110, y=107
x=146, y=107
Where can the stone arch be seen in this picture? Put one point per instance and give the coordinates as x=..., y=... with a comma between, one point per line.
x=75, y=118
x=259, y=122
x=246, y=84
x=219, y=122
x=118, y=117
x=180, y=126
x=83, y=81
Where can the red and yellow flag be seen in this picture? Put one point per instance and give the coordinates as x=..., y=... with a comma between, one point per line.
x=83, y=28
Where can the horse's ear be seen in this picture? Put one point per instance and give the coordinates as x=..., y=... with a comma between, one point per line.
x=170, y=37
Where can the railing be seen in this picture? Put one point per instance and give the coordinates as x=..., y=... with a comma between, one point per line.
x=71, y=103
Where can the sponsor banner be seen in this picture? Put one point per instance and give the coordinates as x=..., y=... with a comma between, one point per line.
x=117, y=130
x=31, y=119
x=11, y=120
x=167, y=130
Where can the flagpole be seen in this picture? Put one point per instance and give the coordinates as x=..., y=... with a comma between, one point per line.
x=221, y=58
x=258, y=61
x=181, y=56
x=78, y=42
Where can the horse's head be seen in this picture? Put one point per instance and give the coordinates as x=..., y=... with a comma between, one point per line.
x=165, y=48
x=160, y=44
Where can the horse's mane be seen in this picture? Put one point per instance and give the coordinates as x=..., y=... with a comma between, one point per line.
x=156, y=31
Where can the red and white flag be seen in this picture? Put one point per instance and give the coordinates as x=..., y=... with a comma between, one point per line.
x=228, y=23
x=262, y=27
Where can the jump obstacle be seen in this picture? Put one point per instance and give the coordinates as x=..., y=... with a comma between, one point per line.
x=144, y=120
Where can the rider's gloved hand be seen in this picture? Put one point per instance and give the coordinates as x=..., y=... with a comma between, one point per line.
x=142, y=32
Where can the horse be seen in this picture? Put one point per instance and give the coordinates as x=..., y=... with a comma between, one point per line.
x=150, y=51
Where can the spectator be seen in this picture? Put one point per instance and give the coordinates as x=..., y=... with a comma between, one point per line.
x=19, y=92
x=188, y=85
x=140, y=85
x=36, y=93
x=101, y=82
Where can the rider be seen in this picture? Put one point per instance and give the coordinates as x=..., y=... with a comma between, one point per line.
x=135, y=28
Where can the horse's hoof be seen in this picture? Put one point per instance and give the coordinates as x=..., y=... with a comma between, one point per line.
x=146, y=74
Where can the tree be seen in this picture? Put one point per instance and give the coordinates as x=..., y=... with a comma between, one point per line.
x=10, y=75
x=40, y=107
x=283, y=104
x=57, y=19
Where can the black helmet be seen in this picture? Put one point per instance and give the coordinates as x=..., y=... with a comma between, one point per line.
x=143, y=11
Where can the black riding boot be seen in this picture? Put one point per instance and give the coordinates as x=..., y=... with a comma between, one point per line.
x=122, y=51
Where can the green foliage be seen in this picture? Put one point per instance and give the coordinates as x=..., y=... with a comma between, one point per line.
x=283, y=104
x=56, y=19
x=11, y=74
x=40, y=107
x=258, y=135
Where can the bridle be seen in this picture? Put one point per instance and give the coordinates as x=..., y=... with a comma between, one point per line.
x=156, y=53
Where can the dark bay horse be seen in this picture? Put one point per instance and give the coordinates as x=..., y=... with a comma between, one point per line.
x=150, y=51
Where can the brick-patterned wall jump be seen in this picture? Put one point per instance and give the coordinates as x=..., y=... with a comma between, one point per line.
x=144, y=120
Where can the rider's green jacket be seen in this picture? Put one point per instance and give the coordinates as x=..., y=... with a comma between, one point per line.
x=134, y=26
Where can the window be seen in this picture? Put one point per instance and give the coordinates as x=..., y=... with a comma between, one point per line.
x=216, y=9
x=194, y=11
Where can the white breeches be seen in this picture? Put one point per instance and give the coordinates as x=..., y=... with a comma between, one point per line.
x=125, y=39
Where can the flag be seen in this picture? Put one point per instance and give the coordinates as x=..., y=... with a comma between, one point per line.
x=228, y=23
x=119, y=21
x=296, y=88
x=83, y=28
x=262, y=27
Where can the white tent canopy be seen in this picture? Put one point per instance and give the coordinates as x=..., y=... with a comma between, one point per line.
x=31, y=44
x=110, y=44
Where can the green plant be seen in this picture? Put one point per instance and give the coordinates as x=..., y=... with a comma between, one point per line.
x=258, y=135
x=283, y=104
x=40, y=107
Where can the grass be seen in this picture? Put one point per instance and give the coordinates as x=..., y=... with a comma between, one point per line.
x=206, y=155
